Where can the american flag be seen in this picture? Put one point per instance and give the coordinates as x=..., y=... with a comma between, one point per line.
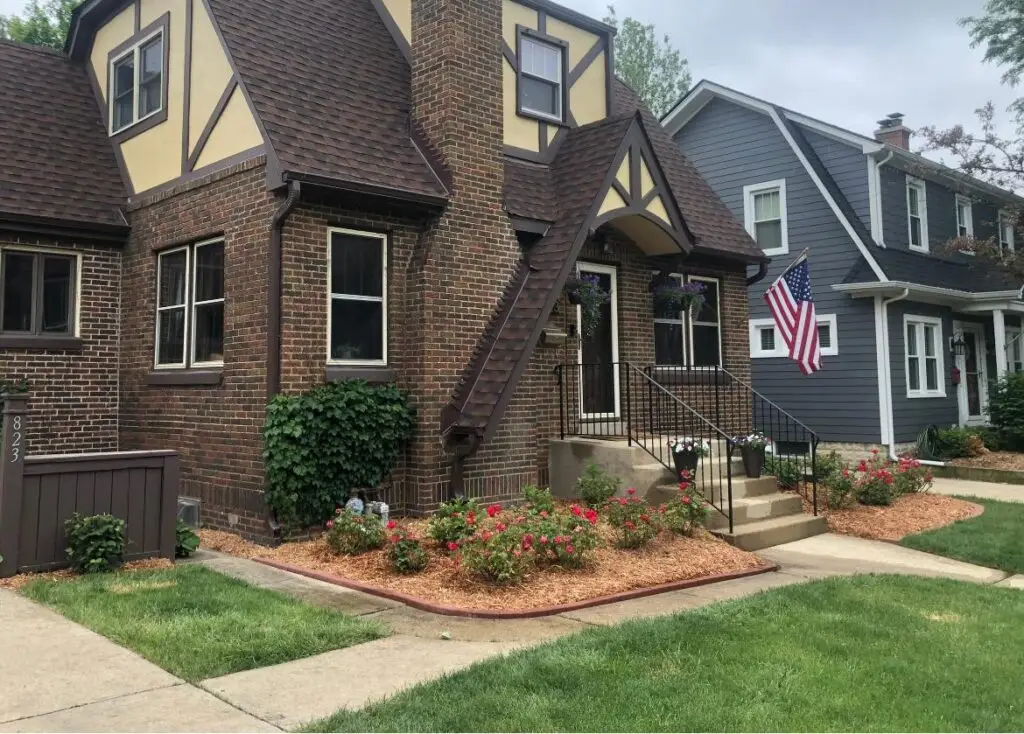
x=792, y=306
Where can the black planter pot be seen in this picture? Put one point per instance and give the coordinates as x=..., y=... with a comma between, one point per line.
x=685, y=461
x=753, y=461
x=574, y=297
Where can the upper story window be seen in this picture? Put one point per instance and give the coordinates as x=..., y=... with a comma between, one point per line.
x=964, y=217
x=690, y=340
x=190, y=306
x=37, y=293
x=917, y=215
x=764, y=211
x=357, y=315
x=1006, y=222
x=925, y=376
x=542, y=72
x=138, y=81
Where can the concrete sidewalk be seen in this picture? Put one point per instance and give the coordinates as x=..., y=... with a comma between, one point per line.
x=984, y=490
x=58, y=676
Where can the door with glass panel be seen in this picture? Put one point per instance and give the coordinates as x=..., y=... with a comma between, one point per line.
x=599, y=352
x=972, y=393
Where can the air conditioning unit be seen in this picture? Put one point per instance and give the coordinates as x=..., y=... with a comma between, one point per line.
x=188, y=510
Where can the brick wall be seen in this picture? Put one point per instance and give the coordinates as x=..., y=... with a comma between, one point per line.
x=217, y=428
x=73, y=393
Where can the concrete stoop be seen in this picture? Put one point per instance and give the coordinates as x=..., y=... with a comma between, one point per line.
x=762, y=515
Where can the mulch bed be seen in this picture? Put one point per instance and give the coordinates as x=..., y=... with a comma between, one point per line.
x=668, y=558
x=66, y=574
x=1006, y=460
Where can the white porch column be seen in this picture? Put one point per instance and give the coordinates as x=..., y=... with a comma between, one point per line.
x=999, y=326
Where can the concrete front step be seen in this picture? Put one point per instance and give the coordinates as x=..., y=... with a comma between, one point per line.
x=754, y=509
x=754, y=536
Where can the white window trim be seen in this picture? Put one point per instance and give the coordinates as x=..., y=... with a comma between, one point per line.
x=922, y=371
x=560, y=81
x=1013, y=343
x=612, y=272
x=968, y=207
x=190, y=334
x=382, y=299
x=135, y=51
x=748, y=212
x=157, y=364
x=687, y=322
x=1005, y=218
x=922, y=198
x=757, y=325
x=77, y=256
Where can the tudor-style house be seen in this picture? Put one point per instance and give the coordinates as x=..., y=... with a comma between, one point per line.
x=911, y=333
x=204, y=203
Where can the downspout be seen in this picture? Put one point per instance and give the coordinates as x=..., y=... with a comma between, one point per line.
x=886, y=374
x=274, y=289
x=762, y=270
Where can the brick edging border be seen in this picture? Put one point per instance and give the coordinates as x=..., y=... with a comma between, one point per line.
x=426, y=606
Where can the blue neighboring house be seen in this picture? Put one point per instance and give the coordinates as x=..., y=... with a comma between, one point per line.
x=911, y=335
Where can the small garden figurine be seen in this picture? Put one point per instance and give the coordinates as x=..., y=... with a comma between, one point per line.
x=586, y=292
x=752, y=451
x=686, y=452
x=676, y=297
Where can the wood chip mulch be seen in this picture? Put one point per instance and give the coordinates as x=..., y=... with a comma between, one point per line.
x=66, y=574
x=668, y=558
x=1007, y=460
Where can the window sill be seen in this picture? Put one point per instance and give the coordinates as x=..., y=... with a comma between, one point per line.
x=373, y=375
x=776, y=251
x=30, y=341
x=920, y=396
x=185, y=377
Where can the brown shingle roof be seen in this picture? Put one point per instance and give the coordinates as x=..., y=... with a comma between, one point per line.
x=56, y=162
x=331, y=88
x=529, y=190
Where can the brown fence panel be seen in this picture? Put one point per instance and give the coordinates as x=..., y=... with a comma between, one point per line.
x=39, y=493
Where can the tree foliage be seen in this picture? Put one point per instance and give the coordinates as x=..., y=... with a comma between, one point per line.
x=654, y=70
x=43, y=23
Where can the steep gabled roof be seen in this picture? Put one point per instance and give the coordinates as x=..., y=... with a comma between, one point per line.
x=332, y=91
x=56, y=164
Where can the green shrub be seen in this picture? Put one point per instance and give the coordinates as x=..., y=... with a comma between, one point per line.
x=564, y=538
x=686, y=511
x=827, y=465
x=635, y=523
x=596, y=486
x=350, y=534
x=953, y=443
x=992, y=439
x=538, y=500
x=840, y=489
x=187, y=542
x=322, y=444
x=405, y=554
x=499, y=557
x=788, y=472
x=1006, y=410
x=95, y=542
x=452, y=522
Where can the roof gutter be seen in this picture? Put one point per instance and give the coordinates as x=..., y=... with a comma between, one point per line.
x=366, y=189
x=274, y=289
x=872, y=289
x=115, y=233
x=762, y=270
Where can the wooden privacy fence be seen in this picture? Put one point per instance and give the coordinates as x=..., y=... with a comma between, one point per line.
x=38, y=493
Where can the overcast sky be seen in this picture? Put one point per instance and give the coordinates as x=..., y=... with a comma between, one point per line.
x=848, y=62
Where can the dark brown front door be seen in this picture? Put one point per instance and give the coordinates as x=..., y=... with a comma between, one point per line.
x=599, y=353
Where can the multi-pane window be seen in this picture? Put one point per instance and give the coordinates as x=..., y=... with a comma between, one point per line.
x=765, y=340
x=917, y=221
x=1006, y=222
x=540, y=78
x=964, y=217
x=924, y=357
x=37, y=293
x=190, y=306
x=1014, y=350
x=357, y=313
x=137, y=83
x=690, y=340
x=765, y=214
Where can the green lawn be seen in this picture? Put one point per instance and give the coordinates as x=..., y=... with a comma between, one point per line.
x=868, y=653
x=994, y=539
x=197, y=623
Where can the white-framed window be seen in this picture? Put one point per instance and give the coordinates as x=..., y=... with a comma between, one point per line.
x=690, y=340
x=964, y=217
x=1014, y=349
x=190, y=306
x=1006, y=225
x=764, y=213
x=137, y=82
x=917, y=214
x=923, y=357
x=38, y=292
x=766, y=341
x=357, y=308
x=541, y=82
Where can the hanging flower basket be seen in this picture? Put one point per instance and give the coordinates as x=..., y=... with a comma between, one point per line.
x=675, y=296
x=586, y=292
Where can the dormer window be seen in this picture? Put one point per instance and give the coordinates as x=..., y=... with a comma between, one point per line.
x=964, y=217
x=917, y=215
x=138, y=80
x=541, y=77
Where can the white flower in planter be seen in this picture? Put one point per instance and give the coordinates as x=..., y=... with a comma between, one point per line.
x=684, y=445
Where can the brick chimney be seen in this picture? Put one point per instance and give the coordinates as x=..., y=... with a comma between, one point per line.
x=892, y=131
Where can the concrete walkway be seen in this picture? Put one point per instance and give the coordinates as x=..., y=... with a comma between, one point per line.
x=984, y=490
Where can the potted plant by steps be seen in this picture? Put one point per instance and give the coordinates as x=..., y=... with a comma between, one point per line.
x=676, y=297
x=586, y=292
x=752, y=452
x=686, y=452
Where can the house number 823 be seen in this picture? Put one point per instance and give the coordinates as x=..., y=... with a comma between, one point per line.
x=16, y=440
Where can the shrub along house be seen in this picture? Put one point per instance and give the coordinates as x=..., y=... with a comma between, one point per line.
x=226, y=200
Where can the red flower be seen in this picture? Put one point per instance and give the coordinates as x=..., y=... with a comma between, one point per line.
x=528, y=538
x=846, y=472
x=330, y=524
x=526, y=544
x=453, y=546
x=684, y=474
x=394, y=538
x=577, y=510
x=471, y=518
x=630, y=491
x=493, y=510
x=874, y=451
x=543, y=513
x=622, y=500
x=520, y=519
x=661, y=509
x=630, y=525
x=863, y=466
x=543, y=540
x=591, y=516
x=517, y=553
x=569, y=549
x=392, y=524
x=686, y=499
x=683, y=486
x=487, y=535
x=645, y=518
x=500, y=527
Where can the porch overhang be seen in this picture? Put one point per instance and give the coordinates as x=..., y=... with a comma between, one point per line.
x=958, y=300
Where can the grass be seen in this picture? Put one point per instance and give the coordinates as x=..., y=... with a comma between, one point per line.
x=197, y=623
x=871, y=653
x=994, y=539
